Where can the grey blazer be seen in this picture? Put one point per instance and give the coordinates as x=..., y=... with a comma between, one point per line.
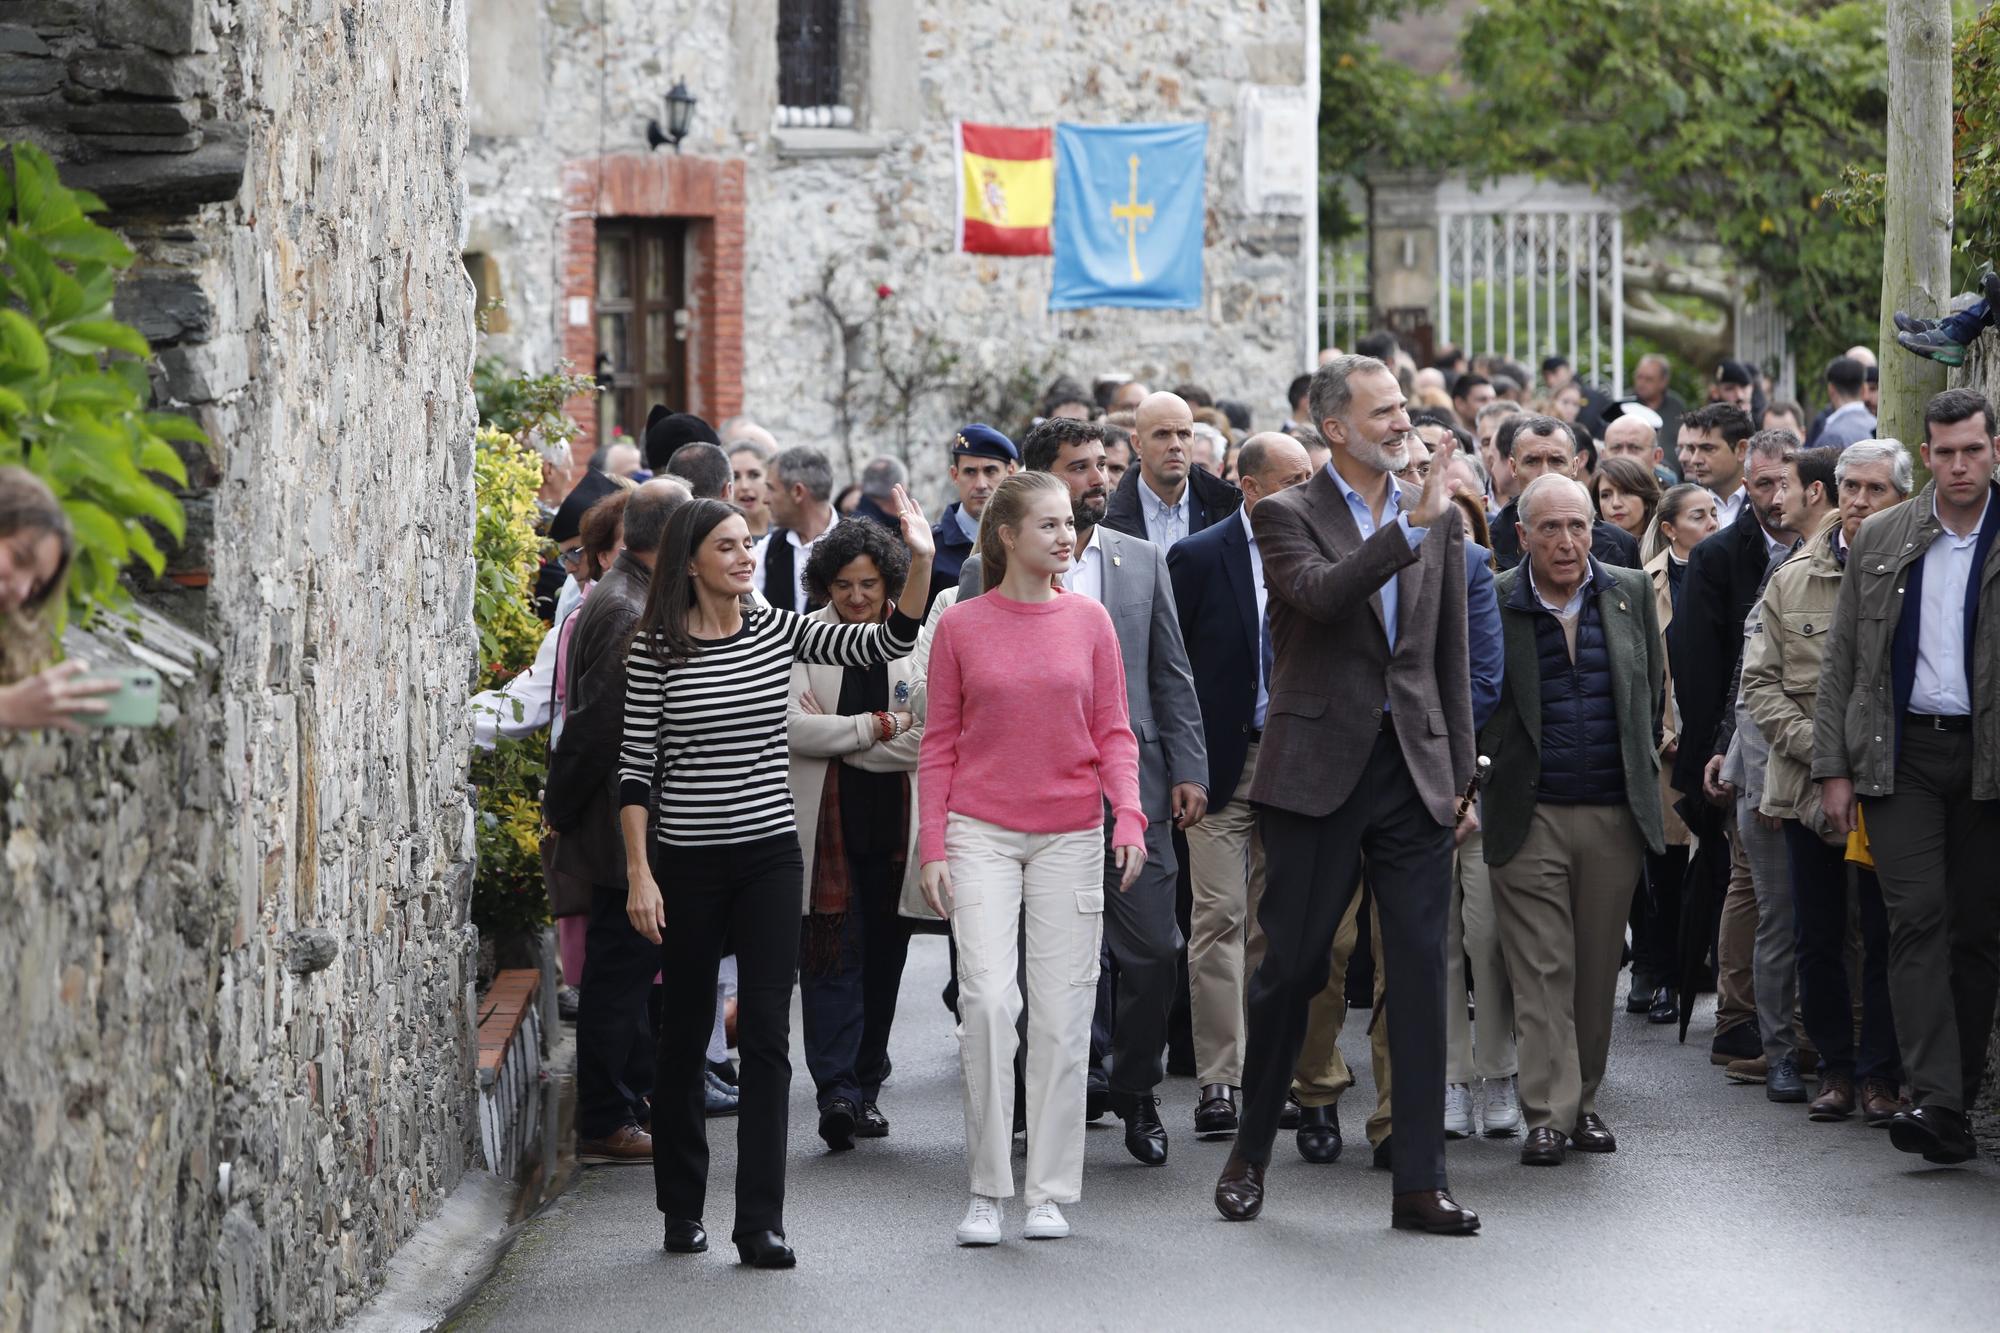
x=1159, y=688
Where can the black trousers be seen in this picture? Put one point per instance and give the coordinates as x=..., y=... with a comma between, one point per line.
x=1312, y=868
x=1935, y=851
x=1819, y=913
x=744, y=895
x=847, y=1000
x=1656, y=920
x=614, y=1029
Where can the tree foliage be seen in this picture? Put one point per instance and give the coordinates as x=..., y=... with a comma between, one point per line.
x=1724, y=119
x=1374, y=113
x=74, y=397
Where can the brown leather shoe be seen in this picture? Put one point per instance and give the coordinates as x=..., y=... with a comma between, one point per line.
x=1835, y=1100
x=1433, y=1211
x=1544, y=1147
x=1880, y=1101
x=1593, y=1135
x=1215, y=1112
x=628, y=1146
x=1748, y=1071
x=1239, y=1190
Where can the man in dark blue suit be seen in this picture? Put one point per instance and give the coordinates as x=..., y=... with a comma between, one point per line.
x=981, y=458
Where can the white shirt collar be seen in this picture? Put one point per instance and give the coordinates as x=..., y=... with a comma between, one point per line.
x=1248, y=531
x=1951, y=536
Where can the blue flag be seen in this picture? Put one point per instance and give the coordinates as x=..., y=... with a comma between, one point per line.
x=1129, y=216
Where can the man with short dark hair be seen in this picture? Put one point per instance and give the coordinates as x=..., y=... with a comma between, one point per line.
x=1469, y=393
x=1721, y=583
x=705, y=469
x=1848, y=419
x=1117, y=451
x=879, y=479
x=1715, y=447
x=1296, y=396
x=1534, y=446
x=801, y=485
x=614, y=1039
x=1907, y=715
x=1166, y=497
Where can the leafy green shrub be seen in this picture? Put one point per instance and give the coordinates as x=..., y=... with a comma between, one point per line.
x=74, y=396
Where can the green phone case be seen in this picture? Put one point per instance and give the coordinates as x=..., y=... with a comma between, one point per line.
x=136, y=703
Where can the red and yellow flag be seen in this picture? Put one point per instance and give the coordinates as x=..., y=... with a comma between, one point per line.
x=1007, y=189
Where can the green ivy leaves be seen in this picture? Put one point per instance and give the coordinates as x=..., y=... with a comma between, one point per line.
x=75, y=401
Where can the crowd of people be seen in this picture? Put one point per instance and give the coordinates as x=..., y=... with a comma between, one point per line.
x=1480, y=683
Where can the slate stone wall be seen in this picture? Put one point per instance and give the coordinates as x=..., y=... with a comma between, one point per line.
x=237, y=1071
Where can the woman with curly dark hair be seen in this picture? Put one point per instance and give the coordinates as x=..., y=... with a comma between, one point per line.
x=854, y=756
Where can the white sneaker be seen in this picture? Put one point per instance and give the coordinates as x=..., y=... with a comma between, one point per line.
x=982, y=1222
x=1503, y=1108
x=1457, y=1111
x=1045, y=1222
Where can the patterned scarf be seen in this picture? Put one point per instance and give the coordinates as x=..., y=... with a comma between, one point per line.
x=832, y=896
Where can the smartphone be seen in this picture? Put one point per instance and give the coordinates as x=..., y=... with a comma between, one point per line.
x=136, y=703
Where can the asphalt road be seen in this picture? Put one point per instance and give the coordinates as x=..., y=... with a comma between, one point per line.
x=1719, y=1209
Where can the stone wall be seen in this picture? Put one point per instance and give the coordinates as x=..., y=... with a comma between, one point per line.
x=553, y=88
x=238, y=1070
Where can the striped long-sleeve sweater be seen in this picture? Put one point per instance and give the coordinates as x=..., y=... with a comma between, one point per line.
x=713, y=726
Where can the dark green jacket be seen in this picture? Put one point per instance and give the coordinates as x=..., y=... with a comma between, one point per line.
x=1513, y=738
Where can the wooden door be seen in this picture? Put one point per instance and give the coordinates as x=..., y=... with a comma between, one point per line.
x=642, y=320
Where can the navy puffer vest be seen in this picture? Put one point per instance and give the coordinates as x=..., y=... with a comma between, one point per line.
x=1582, y=762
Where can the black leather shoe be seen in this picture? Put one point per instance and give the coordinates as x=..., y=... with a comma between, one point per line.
x=1782, y=1082
x=1215, y=1113
x=1319, y=1134
x=1239, y=1190
x=836, y=1124
x=870, y=1123
x=1941, y=1135
x=1145, y=1136
x=1666, y=1006
x=1543, y=1148
x=765, y=1249
x=1638, y=999
x=1434, y=1212
x=1738, y=1043
x=1593, y=1135
x=1289, y=1117
x=685, y=1236
x=1385, y=1156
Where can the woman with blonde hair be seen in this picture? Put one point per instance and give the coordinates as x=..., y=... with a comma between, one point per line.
x=1026, y=741
x=36, y=546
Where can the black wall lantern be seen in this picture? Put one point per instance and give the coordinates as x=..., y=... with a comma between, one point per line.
x=680, y=115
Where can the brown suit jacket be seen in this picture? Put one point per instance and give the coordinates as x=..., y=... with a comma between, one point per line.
x=1332, y=667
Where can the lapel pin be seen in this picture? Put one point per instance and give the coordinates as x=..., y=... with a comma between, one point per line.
x=1116, y=561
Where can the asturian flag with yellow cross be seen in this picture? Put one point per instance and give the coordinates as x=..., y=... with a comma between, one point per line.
x=1129, y=216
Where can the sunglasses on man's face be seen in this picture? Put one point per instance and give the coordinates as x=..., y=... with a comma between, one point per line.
x=570, y=556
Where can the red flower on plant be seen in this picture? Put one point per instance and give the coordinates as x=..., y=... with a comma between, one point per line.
x=883, y=291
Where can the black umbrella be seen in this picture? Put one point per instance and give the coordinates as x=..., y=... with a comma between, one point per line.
x=1702, y=892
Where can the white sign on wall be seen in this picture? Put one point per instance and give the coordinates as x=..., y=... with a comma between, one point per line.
x=1280, y=149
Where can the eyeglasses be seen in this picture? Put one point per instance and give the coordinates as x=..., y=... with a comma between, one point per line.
x=1415, y=472
x=570, y=556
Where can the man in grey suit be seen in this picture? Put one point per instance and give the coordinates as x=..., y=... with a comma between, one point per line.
x=1128, y=575
x=1367, y=744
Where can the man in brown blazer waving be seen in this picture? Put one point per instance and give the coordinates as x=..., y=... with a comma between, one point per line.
x=1369, y=738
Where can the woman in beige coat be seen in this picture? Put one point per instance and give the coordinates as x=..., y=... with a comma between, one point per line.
x=1686, y=515
x=854, y=741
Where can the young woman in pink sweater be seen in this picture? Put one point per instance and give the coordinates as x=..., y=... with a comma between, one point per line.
x=1026, y=741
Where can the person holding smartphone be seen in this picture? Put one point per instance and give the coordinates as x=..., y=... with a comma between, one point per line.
x=1027, y=738
x=36, y=545
x=708, y=678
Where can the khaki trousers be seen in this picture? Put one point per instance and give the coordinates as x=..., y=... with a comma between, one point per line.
x=1226, y=871
x=1055, y=883
x=1736, y=945
x=1562, y=902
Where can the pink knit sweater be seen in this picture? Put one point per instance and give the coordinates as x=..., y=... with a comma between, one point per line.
x=1027, y=726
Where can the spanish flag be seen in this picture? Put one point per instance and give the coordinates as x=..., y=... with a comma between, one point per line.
x=1007, y=189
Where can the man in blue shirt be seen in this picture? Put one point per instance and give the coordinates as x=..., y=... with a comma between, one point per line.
x=981, y=458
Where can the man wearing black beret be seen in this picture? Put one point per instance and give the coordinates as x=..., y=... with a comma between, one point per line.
x=981, y=458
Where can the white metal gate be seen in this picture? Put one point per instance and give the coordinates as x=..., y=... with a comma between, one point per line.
x=1345, y=305
x=1527, y=269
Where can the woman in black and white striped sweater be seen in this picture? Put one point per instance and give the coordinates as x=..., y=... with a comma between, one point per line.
x=706, y=752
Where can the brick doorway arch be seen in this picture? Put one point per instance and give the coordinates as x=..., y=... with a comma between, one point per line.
x=708, y=194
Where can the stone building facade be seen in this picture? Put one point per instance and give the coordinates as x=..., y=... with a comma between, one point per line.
x=237, y=1069
x=759, y=247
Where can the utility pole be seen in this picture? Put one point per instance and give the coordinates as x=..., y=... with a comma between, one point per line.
x=1916, y=257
